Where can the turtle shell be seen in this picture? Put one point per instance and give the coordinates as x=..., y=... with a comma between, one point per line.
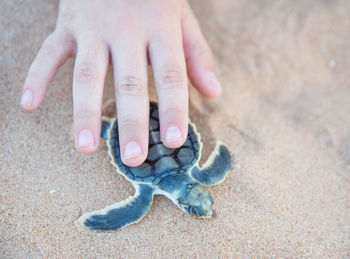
x=161, y=161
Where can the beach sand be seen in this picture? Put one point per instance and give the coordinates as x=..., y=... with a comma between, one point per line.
x=284, y=114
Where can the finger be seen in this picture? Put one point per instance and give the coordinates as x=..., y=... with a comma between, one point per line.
x=89, y=75
x=169, y=69
x=199, y=58
x=130, y=76
x=52, y=54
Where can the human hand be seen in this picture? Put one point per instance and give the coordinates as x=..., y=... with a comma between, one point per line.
x=131, y=33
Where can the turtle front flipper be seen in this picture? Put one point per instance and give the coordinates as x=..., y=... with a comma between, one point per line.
x=121, y=214
x=106, y=124
x=215, y=169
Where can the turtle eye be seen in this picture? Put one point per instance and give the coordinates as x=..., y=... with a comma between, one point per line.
x=194, y=211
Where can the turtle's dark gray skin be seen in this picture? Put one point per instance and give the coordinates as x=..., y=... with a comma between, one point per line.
x=174, y=173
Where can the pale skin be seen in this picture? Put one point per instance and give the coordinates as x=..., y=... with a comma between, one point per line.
x=130, y=35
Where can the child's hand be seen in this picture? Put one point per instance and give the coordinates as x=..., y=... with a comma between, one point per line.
x=165, y=32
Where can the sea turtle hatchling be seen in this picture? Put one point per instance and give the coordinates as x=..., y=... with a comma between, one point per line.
x=174, y=173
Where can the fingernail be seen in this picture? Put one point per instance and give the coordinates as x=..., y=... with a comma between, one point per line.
x=27, y=98
x=132, y=149
x=173, y=134
x=214, y=82
x=85, y=138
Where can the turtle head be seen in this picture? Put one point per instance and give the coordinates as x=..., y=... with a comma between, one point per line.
x=196, y=201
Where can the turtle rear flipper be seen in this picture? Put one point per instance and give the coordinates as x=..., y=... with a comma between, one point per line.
x=215, y=169
x=121, y=214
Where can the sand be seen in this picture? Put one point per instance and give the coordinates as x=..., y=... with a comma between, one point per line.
x=285, y=68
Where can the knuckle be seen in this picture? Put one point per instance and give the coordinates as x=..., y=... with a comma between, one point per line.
x=130, y=85
x=129, y=125
x=34, y=78
x=200, y=50
x=85, y=114
x=55, y=40
x=66, y=16
x=173, y=112
x=85, y=72
x=173, y=78
x=204, y=53
x=34, y=72
x=99, y=43
x=49, y=47
x=93, y=46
